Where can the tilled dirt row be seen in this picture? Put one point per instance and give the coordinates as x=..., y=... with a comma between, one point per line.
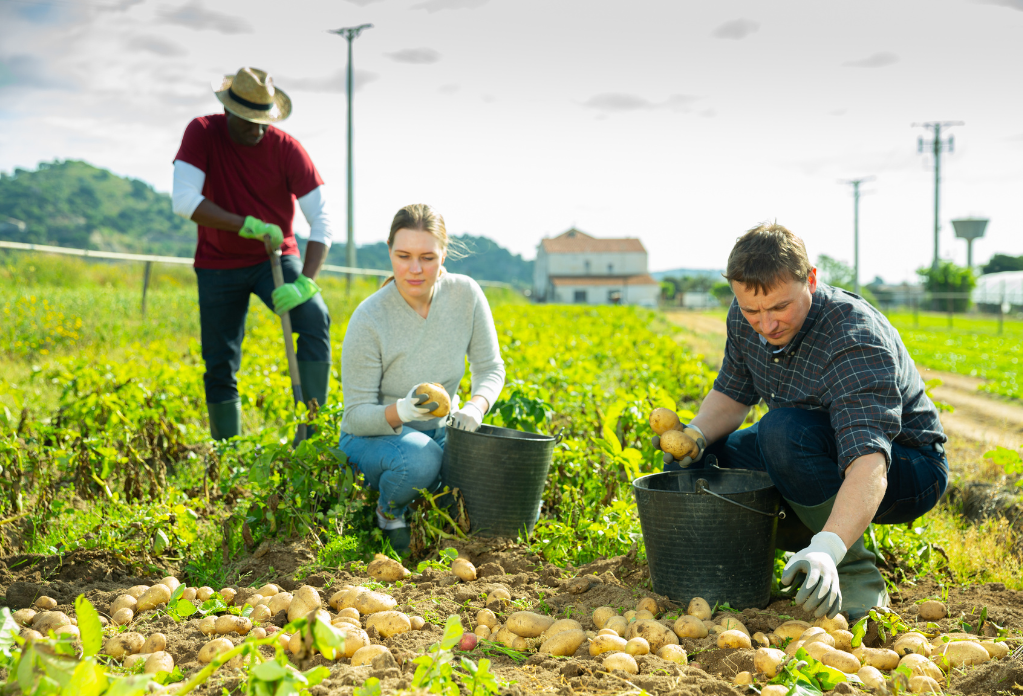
x=533, y=585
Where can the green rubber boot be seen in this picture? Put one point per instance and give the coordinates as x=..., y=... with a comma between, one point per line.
x=315, y=378
x=858, y=577
x=225, y=419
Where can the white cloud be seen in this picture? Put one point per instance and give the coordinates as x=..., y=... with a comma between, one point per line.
x=336, y=82
x=157, y=45
x=875, y=60
x=432, y=6
x=416, y=56
x=736, y=29
x=195, y=16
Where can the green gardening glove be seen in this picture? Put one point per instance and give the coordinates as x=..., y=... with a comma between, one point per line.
x=253, y=228
x=291, y=295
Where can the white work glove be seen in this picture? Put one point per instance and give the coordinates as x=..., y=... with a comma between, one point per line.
x=468, y=417
x=820, y=592
x=414, y=408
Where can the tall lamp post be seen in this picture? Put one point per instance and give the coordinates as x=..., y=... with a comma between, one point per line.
x=350, y=34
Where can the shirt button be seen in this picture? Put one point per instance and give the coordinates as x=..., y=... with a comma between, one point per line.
x=772, y=396
x=776, y=359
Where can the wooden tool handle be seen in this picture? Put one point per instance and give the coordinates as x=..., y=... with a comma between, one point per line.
x=289, y=341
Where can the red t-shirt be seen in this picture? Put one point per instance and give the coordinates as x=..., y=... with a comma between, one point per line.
x=259, y=180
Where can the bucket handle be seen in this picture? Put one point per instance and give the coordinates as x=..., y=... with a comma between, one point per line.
x=559, y=437
x=702, y=487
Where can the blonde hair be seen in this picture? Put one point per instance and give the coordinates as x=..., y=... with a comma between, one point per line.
x=767, y=255
x=423, y=218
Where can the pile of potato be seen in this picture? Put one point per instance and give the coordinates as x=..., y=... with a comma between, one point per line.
x=42, y=618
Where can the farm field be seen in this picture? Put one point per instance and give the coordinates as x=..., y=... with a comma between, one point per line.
x=109, y=482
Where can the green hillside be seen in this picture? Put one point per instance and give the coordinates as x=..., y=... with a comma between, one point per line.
x=74, y=204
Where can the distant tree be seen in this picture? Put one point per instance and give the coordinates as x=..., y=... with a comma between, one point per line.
x=722, y=291
x=948, y=277
x=838, y=274
x=1003, y=262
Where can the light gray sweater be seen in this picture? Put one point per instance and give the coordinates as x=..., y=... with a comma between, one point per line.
x=389, y=348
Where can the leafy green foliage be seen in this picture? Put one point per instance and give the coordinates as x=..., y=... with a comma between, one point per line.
x=89, y=626
x=805, y=676
x=437, y=673
x=948, y=277
x=1010, y=461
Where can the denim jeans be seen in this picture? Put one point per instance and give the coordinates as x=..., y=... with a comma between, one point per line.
x=397, y=465
x=797, y=448
x=223, y=305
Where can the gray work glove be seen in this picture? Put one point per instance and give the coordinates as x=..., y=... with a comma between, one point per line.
x=689, y=447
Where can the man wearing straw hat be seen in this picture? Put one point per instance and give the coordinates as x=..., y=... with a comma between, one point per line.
x=238, y=177
x=850, y=438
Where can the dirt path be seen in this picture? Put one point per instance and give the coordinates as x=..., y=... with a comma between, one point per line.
x=984, y=419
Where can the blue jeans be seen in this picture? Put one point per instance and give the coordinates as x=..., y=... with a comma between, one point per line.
x=223, y=304
x=398, y=466
x=797, y=449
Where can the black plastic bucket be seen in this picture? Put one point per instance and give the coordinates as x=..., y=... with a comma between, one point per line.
x=501, y=474
x=710, y=533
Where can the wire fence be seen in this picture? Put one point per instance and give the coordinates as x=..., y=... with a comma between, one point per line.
x=993, y=306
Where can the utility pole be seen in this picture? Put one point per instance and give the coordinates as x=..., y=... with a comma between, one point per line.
x=350, y=34
x=937, y=145
x=856, y=229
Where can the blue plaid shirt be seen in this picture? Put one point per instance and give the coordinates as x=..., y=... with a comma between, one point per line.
x=848, y=360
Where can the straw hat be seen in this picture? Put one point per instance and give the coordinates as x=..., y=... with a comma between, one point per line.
x=250, y=94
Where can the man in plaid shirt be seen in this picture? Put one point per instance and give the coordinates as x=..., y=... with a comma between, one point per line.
x=851, y=436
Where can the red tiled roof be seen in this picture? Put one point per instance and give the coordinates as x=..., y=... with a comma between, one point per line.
x=574, y=241
x=642, y=279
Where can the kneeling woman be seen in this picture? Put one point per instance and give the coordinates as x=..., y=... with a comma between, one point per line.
x=419, y=328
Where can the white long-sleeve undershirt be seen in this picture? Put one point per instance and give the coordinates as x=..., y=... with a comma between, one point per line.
x=187, y=195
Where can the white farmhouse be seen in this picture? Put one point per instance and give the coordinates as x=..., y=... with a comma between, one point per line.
x=575, y=268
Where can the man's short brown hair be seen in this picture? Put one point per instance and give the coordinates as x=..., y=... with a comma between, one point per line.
x=767, y=255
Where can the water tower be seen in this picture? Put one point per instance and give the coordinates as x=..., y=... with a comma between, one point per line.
x=969, y=230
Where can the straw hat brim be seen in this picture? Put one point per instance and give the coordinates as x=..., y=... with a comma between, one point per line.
x=279, y=110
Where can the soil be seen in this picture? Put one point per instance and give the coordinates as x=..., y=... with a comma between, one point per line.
x=533, y=584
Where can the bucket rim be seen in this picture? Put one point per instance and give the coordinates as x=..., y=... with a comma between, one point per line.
x=741, y=472
x=497, y=432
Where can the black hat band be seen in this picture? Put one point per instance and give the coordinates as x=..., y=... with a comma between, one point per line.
x=248, y=104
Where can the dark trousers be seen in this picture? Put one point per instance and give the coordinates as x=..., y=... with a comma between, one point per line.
x=223, y=305
x=798, y=450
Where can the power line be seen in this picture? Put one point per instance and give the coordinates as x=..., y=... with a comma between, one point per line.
x=937, y=145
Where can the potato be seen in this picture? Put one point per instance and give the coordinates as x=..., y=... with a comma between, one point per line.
x=215, y=647
x=637, y=646
x=30, y=635
x=122, y=617
x=259, y=633
x=760, y=640
x=872, y=679
x=792, y=629
x=775, y=640
x=793, y=647
x=643, y=614
x=366, y=655
x=730, y=623
x=663, y=419
x=924, y=685
x=159, y=662
x=622, y=661
x=657, y=634
x=673, y=653
x=843, y=640
x=137, y=591
x=604, y=644
x=228, y=623
x=355, y=639
x=125, y=601
x=932, y=610
x=350, y=612
x=261, y=613
x=305, y=600
x=485, y=617
x=774, y=690
x=618, y=624
x=482, y=631
x=463, y=569
x=717, y=630
x=842, y=661
x=920, y=665
x=204, y=593
x=743, y=678
x=959, y=653
x=630, y=616
x=68, y=631
x=346, y=621
x=564, y=643
x=24, y=617
x=499, y=597
x=296, y=644
x=269, y=590
x=153, y=597
x=47, y=621
x=389, y=623
x=607, y=632
x=912, y=642
x=510, y=640
x=189, y=594
x=528, y=624
x=690, y=627
x=131, y=660
x=283, y=640
x=817, y=650
x=839, y=623
x=995, y=650
x=734, y=640
x=647, y=604
x=228, y=593
x=387, y=569
x=156, y=642
x=338, y=597
x=767, y=660
x=208, y=625
x=678, y=444
x=940, y=640
x=879, y=658
x=699, y=608
x=45, y=603
x=436, y=393
x=373, y=602
x=170, y=582
x=123, y=645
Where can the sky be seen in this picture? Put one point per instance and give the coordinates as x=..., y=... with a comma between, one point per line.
x=682, y=123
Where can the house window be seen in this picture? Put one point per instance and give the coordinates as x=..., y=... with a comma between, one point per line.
x=580, y=296
x=610, y=269
x=586, y=265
